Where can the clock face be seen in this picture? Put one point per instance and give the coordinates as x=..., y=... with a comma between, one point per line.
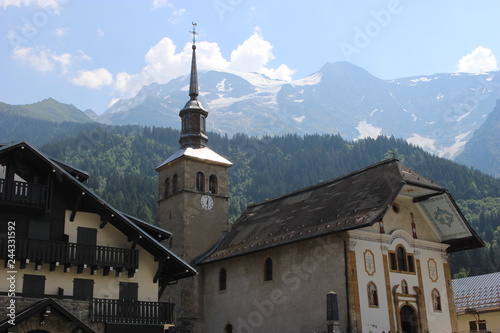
x=207, y=202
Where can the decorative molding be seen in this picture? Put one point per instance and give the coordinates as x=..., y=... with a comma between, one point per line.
x=370, y=268
x=352, y=245
x=432, y=269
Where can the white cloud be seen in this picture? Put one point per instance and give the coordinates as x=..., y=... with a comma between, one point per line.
x=164, y=63
x=59, y=32
x=42, y=60
x=100, y=33
x=478, y=61
x=253, y=56
x=176, y=17
x=94, y=79
x=157, y=4
x=53, y=5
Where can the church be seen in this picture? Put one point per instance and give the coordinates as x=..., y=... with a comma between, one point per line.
x=366, y=252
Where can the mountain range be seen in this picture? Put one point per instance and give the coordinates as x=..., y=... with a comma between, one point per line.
x=440, y=113
x=437, y=112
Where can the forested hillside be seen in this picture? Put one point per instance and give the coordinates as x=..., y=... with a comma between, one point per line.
x=121, y=162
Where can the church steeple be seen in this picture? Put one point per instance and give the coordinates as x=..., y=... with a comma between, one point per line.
x=193, y=115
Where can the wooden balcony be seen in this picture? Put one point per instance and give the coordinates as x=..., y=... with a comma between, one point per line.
x=23, y=193
x=138, y=312
x=71, y=254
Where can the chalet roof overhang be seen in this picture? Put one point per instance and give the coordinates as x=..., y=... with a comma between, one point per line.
x=43, y=308
x=353, y=201
x=173, y=268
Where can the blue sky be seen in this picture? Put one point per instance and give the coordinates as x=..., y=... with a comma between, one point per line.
x=90, y=53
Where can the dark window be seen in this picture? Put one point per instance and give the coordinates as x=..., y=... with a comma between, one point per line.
x=39, y=230
x=401, y=261
x=175, y=184
x=394, y=262
x=83, y=289
x=200, y=181
x=33, y=285
x=268, y=270
x=212, y=184
x=401, y=253
x=474, y=325
x=332, y=309
x=228, y=328
x=185, y=123
x=222, y=280
x=128, y=291
x=167, y=187
x=203, y=123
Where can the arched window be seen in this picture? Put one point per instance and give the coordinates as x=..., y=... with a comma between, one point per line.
x=372, y=295
x=175, y=184
x=222, y=280
x=200, y=181
x=212, y=184
x=203, y=123
x=228, y=328
x=436, y=300
x=167, y=187
x=401, y=261
x=268, y=270
x=185, y=123
x=401, y=253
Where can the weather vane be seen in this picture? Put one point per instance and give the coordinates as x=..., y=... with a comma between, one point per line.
x=194, y=32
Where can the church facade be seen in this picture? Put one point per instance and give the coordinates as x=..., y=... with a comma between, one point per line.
x=366, y=252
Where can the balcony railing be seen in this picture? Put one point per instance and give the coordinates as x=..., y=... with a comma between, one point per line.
x=120, y=311
x=22, y=192
x=65, y=253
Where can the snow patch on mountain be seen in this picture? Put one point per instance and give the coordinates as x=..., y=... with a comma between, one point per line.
x=426, y=143
x=367, y=130
x=299, y=119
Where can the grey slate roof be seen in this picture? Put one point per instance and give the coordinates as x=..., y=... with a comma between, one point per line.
x=477, y=292
x=356, y=200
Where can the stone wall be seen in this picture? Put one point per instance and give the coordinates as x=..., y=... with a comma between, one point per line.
x=52, y=323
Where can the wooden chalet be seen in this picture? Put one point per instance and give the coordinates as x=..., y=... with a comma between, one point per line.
x=75, y=261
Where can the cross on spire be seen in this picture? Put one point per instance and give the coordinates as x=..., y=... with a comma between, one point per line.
x=194, y=32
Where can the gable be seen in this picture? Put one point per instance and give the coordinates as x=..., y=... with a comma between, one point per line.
x=73, y=196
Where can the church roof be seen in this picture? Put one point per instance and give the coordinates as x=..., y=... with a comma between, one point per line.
x=202, y=154
x=356, y=200
x=476, y=293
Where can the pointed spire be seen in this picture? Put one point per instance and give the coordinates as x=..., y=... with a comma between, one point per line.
x=193, y=114
x=193, y=84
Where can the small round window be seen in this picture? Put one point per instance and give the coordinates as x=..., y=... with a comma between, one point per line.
x=395, y=208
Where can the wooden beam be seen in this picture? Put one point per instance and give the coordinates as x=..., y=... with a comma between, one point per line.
x=77, y=205
x=105, y=219
x=426, y=197
x=160, y=268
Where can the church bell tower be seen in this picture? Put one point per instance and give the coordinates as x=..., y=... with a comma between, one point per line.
x=193, y=202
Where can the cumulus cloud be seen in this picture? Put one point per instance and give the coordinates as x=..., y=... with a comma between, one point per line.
x=54, y=5
x=253, y=56
x=478, y=61
x=42, y=60
x=93, y=79
x=164, y=63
